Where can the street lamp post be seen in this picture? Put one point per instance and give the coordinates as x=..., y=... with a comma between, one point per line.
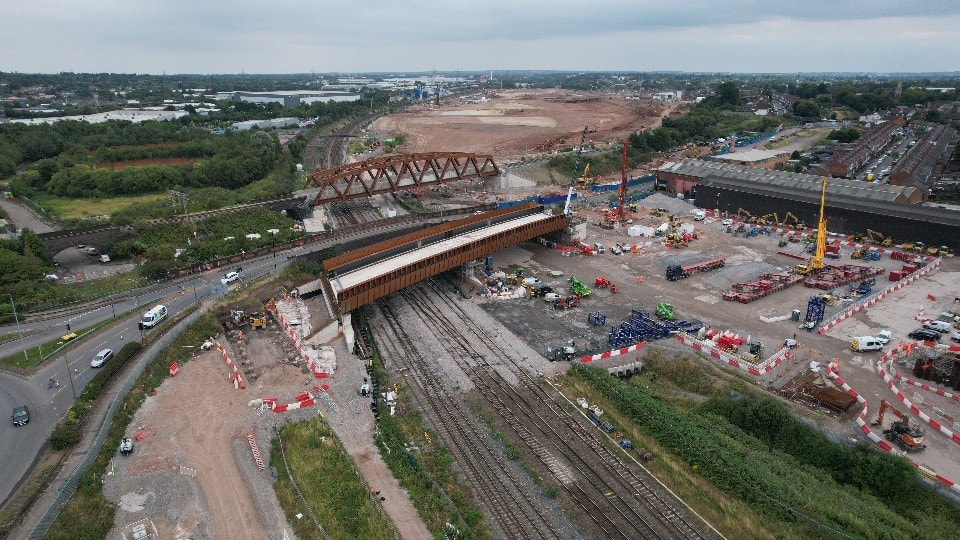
x=19, y=331
x=69, y=375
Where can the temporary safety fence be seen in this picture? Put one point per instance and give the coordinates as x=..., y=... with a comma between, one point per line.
x=303, y=401
x=833, y=370
x=869, y=301
x=611, y=354
x=320, y=371
x=236, y=378
x=255, y=449
x=884, y=366
x=734, y=360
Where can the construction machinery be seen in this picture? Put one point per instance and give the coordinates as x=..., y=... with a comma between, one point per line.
x=620, y=214
x=676, y=272
x=878, y=239
x=909, y=437
x=744, y=215
x=586, y=180
x=258, y=319
x=769, y=219
x=578, y=288
x=793, y=221
x=562, y=354
x=576, y=169
x=568, y=302
x=665, y=312
x=675, y=220
x=658, y=212
x=816, y=261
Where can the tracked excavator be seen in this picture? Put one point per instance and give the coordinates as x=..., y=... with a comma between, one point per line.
x=908, y=437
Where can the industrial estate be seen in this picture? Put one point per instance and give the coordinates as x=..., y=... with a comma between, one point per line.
x=449, y=306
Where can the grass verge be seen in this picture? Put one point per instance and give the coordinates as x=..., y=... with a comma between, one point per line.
x=321, y=470
x=67, y=208
x=88, y=514
x=784, y=495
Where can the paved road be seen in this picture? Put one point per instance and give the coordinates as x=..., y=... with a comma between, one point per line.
x=23, y=217
x=19, y=446
x=71, y=369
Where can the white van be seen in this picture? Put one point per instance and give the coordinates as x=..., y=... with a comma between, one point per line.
x=699, y=215
x=940, y=326
x=154, y=316
x=865, y=344
x=600, y=248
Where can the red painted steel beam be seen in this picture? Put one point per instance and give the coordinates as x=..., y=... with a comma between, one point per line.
x=396, y=173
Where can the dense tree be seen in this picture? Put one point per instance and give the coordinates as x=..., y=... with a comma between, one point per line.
x=806, y=108
x=728, y=93
x=845, y=135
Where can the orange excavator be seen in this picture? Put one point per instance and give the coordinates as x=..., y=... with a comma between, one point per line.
x=908, y=437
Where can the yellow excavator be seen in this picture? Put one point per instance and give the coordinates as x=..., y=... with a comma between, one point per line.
x=258, y=319
x=794, y=221
x=816, y=260
x=878, y=238
x=769, y=219
x=586, y=180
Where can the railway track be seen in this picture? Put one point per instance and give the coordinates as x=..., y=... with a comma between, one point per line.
x=507, y=499
x=618, y=501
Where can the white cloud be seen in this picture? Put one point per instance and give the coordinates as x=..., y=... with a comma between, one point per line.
x=303, y=35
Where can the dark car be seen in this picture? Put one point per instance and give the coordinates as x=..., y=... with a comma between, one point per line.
x=21, y=415
x=924, y=335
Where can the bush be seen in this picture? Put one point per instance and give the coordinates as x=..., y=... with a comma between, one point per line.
x=66, y=435
x=120, y=358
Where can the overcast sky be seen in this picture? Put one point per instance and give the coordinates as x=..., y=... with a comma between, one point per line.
x=297, y=36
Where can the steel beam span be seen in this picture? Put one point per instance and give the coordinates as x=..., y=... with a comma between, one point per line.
x=402, y=268
x=396, y=173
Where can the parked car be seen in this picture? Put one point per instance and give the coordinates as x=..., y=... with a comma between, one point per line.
x=21, y=415
x=230, y=277
x=924, y=335
x=955, y=337
x=126, y=446
x=884, y=336
x=727, y=222
x=101, y=358
x=939, y=326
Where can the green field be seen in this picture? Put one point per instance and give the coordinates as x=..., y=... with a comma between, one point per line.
x=86, y=208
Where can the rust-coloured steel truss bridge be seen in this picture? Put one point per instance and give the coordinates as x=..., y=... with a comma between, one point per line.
x=397, y=173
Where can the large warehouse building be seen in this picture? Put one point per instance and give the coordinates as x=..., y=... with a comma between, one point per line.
x=851, y=207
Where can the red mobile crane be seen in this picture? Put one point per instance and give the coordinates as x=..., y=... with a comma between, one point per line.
x=620, y=213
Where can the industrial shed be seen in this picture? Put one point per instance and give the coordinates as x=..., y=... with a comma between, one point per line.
x=851, y=207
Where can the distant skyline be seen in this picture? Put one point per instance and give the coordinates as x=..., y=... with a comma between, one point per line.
x=300, y=36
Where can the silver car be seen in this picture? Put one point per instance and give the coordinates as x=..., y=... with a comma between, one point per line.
x=101, y=358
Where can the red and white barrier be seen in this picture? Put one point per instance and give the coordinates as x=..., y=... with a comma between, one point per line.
x=894, y=287
x=303, y=401
x=883, y=366
x=834, y=372
x=610, y=354
x=236, y=378
x=321, y=370
x=255, y=449
x=756, y=370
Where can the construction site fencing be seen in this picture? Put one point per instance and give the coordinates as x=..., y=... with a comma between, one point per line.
x=66, y=491
x=869, y=300
x=756, y=369
x=833, y=370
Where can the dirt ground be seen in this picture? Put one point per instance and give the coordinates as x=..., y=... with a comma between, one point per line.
x=515, y=123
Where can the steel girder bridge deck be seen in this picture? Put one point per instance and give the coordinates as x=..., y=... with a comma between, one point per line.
x=390, y=174
x=363, y=275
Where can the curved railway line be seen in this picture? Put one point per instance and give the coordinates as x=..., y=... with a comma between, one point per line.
x=616, y=500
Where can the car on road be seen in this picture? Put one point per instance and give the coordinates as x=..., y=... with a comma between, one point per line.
x=924, y=335
x=230, y=277
x=21, y=415
x=101, y=358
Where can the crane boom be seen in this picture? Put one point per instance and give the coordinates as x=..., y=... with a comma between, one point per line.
x=622, y=194
x=816, y=262
x=576, y=171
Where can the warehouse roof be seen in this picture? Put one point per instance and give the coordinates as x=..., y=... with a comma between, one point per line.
x=793, y=185
x=835, y=199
